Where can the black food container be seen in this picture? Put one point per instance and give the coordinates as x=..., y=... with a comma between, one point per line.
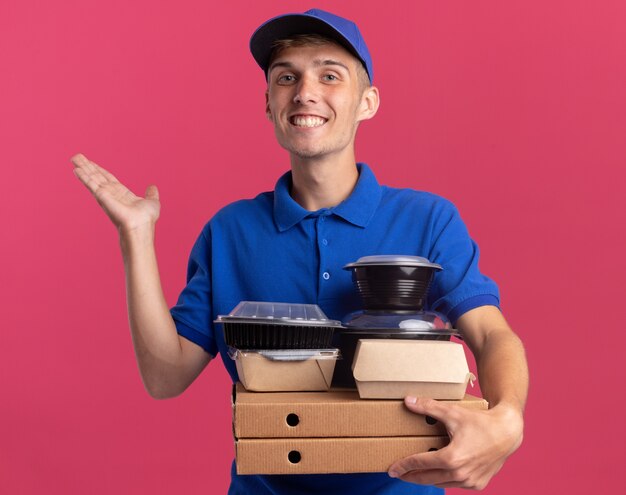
x=267, y=325
x=393, y=282
x=408, y=325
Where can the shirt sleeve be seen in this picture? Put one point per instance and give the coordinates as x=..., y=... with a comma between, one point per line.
x=460, y=286
x=192, y=313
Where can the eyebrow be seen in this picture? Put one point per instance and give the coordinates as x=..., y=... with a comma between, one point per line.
x=317, y=62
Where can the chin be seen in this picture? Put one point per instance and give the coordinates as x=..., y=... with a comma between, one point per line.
x=307, y=153
x=303, y=152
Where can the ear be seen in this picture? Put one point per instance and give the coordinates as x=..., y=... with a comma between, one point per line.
x=370, y=100
x=268, y=111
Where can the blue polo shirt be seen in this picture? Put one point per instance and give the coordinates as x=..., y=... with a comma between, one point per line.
x=271, y=249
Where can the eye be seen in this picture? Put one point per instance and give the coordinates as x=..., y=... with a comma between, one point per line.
x=329, y=77
x=286, y=79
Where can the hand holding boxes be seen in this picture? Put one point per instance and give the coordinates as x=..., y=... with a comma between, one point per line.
x=391, y=349
x=329, y=432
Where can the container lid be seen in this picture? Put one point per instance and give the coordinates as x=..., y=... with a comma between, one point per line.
x=401, y=322
x=393, y=260
x=277, y=313
x=287, y=354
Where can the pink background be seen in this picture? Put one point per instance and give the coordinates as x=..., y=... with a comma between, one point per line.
x=516, y=111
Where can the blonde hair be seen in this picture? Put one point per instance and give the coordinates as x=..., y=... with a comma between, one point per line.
x=300, y=40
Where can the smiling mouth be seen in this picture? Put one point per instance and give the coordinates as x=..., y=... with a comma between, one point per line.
x=307, y=121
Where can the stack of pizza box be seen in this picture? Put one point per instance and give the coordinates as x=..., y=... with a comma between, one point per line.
x=345, y=430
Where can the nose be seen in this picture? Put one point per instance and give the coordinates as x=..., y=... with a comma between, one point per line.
x=305, y=91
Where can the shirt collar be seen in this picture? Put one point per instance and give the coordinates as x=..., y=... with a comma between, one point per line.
x=357, y=209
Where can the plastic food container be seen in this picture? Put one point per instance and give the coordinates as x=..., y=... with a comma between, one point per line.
x=395, y=282
x=399, y=322
x=272, y=325
x=285, y=370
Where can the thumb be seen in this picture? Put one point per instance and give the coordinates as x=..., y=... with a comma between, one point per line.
x=448, y=414
x=152, y=192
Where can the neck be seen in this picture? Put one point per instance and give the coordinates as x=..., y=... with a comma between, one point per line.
x=323, y=182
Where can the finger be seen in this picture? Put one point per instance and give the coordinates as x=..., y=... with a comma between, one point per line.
x=86, y=167
x=95, y=181
x=93, y=171
x=443, y=478
x=436, y=477
x=451, y=484
x=448, y=414
x=91, y=182
x=100, y=174
x=463, y=484
x=152, y=192
x=92, y=179
x=423, y=461
x=80, y=161
x=108, y=175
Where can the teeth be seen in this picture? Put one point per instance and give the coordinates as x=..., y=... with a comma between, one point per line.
x=307, y=121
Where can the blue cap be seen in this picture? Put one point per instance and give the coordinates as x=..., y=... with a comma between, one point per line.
x=313, y=21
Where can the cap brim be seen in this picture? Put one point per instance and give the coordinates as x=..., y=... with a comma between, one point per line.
x=261, y=42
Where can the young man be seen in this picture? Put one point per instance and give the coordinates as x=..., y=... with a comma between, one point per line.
x=291, y=244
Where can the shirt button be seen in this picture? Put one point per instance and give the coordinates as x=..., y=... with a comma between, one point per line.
x=325, y=242
x=325, y=275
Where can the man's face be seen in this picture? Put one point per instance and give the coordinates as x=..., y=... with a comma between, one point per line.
x=314, y=100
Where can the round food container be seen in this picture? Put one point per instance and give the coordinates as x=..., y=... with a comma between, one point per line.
x=394, y=282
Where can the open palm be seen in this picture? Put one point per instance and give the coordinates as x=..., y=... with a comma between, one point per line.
x=125, y=209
